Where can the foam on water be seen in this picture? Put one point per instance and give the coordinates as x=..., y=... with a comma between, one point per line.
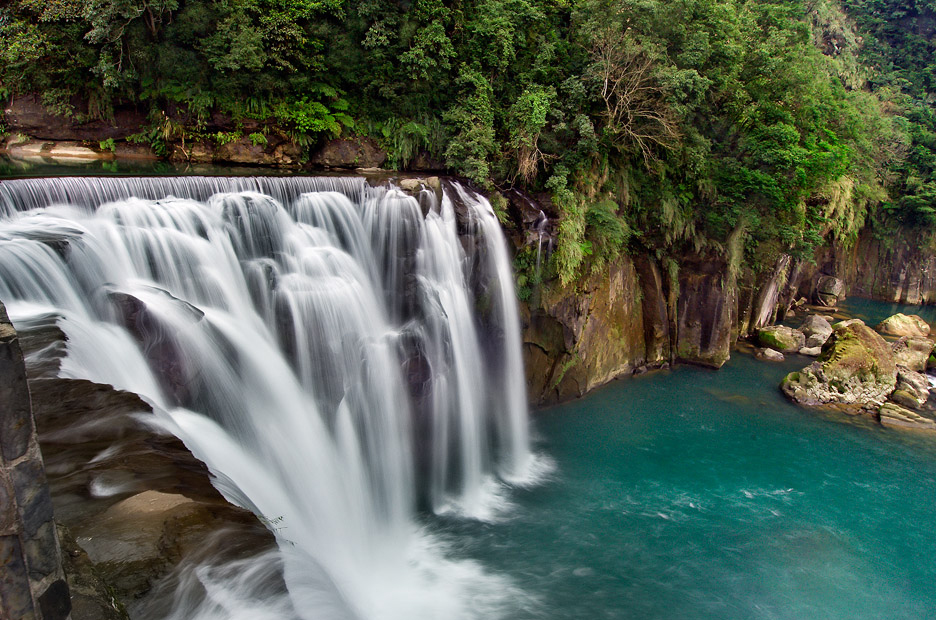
x=319, y=345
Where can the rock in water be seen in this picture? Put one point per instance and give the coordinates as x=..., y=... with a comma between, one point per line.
x=912, y=352
x=781, y=338
x=909, y=325
x=811, y=351
x=856, y=367
x=912, y=389
x=769, y=355
x=816, y=329
x=894, y=415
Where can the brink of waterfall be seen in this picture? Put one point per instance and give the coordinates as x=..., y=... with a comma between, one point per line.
x=343, y=357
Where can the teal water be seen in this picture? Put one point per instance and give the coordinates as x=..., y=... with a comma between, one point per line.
x=695, y=494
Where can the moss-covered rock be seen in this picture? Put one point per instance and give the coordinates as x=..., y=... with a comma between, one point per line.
x=781, y=338
x=909, y=325
x=857, y=367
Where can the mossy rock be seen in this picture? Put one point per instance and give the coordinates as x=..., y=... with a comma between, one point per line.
x=781, y=338
x=901, y=324
x=856, y=367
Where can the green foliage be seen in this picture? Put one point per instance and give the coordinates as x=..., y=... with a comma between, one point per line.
x=472, y=119
x=309, y=119
x=107, y=145
x=746, y=129
x=606, y=232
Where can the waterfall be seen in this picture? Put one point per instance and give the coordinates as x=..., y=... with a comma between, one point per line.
x=338, y=354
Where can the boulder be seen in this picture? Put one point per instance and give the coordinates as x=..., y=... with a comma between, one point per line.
x=782, y=338
x=816, y=329
x=829, y=290
x=912, y=388
x=857, y=367
x=892, y=414
x=410, y=185
x=909, y=325
x=912, y=353
x=769, y=355
x=811, y=351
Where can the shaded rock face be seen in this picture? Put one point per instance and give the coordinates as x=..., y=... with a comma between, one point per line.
x=356, y=153
x=897, y=270
x=782, y=338
x=901, y=324
x=857, y=366
x=706, y=313
x=576, y=342
x=25, y=114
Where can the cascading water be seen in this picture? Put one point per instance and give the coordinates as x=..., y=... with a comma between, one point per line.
x=328, y=348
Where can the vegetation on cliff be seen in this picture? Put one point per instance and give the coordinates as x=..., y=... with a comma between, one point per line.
x=744, y=129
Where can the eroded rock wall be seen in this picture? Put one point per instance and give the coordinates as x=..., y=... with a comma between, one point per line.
x=633, y=316
x=32, y=584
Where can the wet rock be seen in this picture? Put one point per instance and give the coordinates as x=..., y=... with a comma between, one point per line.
x=769, y=355
x=782, y=338
x=92, y=598
x=811, y=351
x=410, y=185
x=912, y=352
x=904, y=325
x=816, y=329
x=856, y=367
x=15, y=597
x=892, y=414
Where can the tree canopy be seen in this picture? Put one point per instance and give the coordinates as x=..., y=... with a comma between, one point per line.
x=654, y=125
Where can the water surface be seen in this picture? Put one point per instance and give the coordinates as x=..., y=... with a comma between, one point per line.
x=696, y=494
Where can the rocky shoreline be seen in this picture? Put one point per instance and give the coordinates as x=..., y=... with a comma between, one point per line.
x=879, y=373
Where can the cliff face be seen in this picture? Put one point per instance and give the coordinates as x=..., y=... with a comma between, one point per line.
x=636, y=315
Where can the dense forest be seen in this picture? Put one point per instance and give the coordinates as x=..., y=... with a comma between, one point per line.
x=741, y=128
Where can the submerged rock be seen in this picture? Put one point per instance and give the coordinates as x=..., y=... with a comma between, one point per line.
x=912, y=352
x=856, y=367
x=901, y=324
x=781, y=338
x=769, y=355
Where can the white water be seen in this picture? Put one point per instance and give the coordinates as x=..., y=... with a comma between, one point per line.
x=329, y=349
